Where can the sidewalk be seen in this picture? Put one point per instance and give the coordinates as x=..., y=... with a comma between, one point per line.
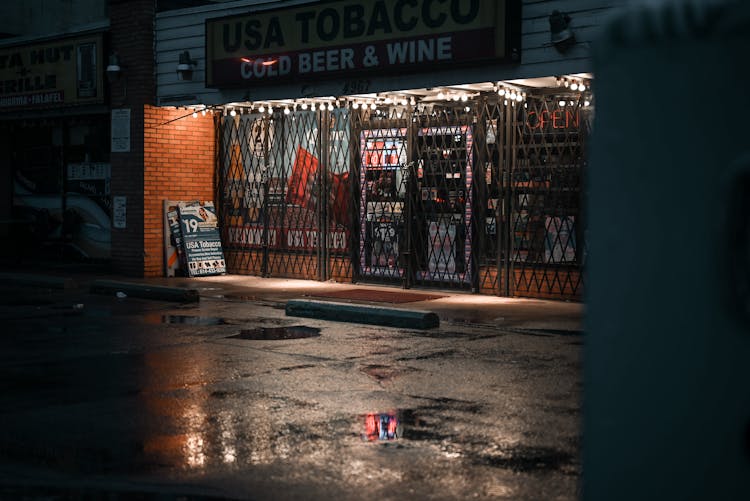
x=452, y=307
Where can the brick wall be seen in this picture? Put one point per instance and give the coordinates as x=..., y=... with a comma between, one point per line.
x=179, y=161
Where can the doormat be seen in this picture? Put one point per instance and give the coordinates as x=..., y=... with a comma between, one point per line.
x=378, y=296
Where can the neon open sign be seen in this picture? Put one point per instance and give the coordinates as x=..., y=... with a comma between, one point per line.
x=556, y=119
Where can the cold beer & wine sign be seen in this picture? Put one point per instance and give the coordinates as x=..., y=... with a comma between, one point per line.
x=331, y=39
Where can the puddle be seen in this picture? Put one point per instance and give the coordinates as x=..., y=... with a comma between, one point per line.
x=420, y=425
x=191, y=320
x=529, y=459
x=382, y=426
x=277, y=333
x=437, y=354
x=547, y=332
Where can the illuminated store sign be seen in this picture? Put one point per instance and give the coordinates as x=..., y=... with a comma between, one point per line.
x=56, y=73
x=555, y=119
x=330, y=39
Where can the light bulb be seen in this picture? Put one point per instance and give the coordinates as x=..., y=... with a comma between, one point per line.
x=387, y=100
x=286, y=110
x=581, y=87
x=330, y=107
x=312, y=107
x=303, y=106
x=519, y=97
x=262, y=108
x=233, y=113
x=355, y=105
x=195, y=114
x=562, y=102
x=501, y=91
x=587, y=103
x=203, y=112
x=441, y=95
x=574, y=86
x=464, y=97
x=270, y=110
x=373, y=106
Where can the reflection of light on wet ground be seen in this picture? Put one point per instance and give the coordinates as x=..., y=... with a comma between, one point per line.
x=277, y=333
x=381, y=426
x=481, y=300
x=359, y=471
x=195, y=455
x=497, y=490
x=227, y=438
x=280, y=284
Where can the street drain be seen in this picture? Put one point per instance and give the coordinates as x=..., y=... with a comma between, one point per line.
x=278, y=333
x=191, y=320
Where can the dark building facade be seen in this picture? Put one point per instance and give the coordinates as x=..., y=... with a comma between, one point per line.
x=418, y=144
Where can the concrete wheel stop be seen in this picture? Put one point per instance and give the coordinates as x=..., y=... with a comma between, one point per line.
x=145, y=291
x=362, y=314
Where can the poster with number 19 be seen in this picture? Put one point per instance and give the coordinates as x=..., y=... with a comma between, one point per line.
x=201, y=240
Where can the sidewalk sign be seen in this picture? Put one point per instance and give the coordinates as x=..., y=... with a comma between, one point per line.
x=201, y=241
x=192, y=244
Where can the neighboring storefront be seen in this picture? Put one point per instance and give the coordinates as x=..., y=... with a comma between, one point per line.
x=55, y=132
x=412, y=143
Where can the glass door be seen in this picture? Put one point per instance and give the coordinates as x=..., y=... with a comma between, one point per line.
x=383, y=185
x=443, y=205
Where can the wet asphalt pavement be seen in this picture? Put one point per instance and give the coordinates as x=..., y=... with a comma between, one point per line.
x=105, y=397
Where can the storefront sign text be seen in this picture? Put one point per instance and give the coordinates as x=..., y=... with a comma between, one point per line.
x=344, y=38
x=555, y=119
x=52, y=74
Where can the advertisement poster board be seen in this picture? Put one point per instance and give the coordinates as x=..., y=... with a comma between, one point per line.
x=383, y=238
x=201, y=241
x=192, y=246
x=174, y=255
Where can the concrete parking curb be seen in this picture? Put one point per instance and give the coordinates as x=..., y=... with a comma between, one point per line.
x=29, y=280
x=145, y=291
x=362, y=314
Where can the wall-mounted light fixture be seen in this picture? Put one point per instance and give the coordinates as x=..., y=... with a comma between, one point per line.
x=114, y=71
x=186, y=66
x=560, y=33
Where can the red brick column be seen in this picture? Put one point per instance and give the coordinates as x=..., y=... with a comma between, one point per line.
x=179, y=156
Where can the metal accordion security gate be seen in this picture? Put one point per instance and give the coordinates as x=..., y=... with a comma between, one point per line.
x=285, y=194
x=534, y=160
x=483, y=195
